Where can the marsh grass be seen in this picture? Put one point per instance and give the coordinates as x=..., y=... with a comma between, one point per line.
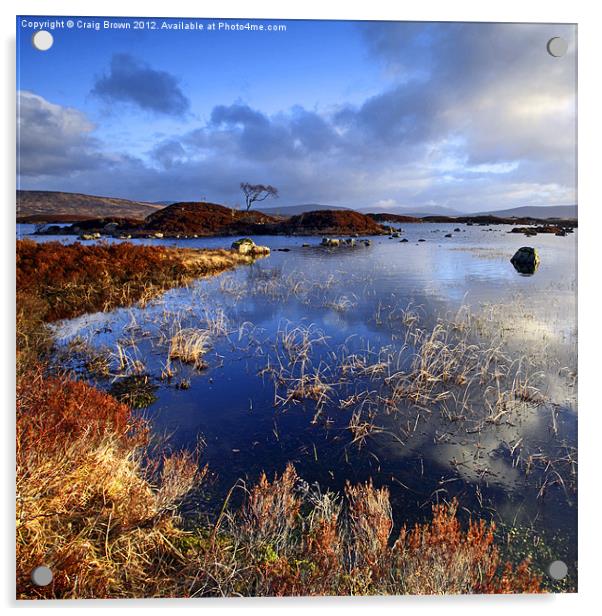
x=189, y=345
x=136, y=391
x=290, y=539
x=458, y=377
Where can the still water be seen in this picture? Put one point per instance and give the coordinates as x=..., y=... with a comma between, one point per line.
x=349, y=323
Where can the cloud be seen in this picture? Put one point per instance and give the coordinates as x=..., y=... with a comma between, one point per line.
x=130, y=80
x=53, y=140
x=493, y=84
x=474, y=117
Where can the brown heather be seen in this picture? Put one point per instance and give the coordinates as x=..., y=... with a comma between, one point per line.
x=70, y=280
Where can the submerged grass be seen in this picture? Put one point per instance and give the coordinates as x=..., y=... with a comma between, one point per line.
x=57, y=281
x=189, y=345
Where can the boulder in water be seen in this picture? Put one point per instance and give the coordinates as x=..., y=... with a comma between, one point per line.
x=525, y=260
x=247, y=246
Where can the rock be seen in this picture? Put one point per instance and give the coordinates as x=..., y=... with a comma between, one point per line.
x=525, y=260
x=528, y=231
x=422, y=240
x=448, y=235
x=305, y=245
x=87, y=236
x=457, y=230
x=247, y=246
x=403, y=240
x=367, y=243
x=283, y=249
x=561, y=233
x=158, y=236
x=331, y=242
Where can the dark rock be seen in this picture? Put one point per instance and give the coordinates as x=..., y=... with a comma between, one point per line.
x=525, y=260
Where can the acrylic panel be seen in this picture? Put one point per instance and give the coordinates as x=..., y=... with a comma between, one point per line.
x=296, y=308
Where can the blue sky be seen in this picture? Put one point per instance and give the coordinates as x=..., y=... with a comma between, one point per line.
x=363, y=114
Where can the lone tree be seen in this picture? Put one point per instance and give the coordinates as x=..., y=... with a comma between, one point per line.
x=257, y=192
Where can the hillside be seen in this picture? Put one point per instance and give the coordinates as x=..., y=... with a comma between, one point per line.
x=386, y=217
x=419, y=212
x=214, y=219
x=294, y=210
x=50, y=206
x=537, y=211
x=203, y=219
x=330, y=222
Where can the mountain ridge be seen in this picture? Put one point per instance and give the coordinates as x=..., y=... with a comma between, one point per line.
x=50, y=206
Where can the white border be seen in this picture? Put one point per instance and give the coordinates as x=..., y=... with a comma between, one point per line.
x=582, y=12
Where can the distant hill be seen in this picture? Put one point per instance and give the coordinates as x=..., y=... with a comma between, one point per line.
x=528, y=211
x=163, y=203
x=537, y=211
x=51, y=206
x=294, y=210
x=397, y=218
x=435, y=210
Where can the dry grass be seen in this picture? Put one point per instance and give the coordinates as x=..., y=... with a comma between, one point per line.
x=189, y=345
x=290, y=540
x=87, y=506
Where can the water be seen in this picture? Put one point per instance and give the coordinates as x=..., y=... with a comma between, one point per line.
x=519, y=469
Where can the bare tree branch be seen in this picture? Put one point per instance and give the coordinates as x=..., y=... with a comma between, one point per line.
x=257, y=192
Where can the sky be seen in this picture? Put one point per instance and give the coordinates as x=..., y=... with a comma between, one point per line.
x=474, y=117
